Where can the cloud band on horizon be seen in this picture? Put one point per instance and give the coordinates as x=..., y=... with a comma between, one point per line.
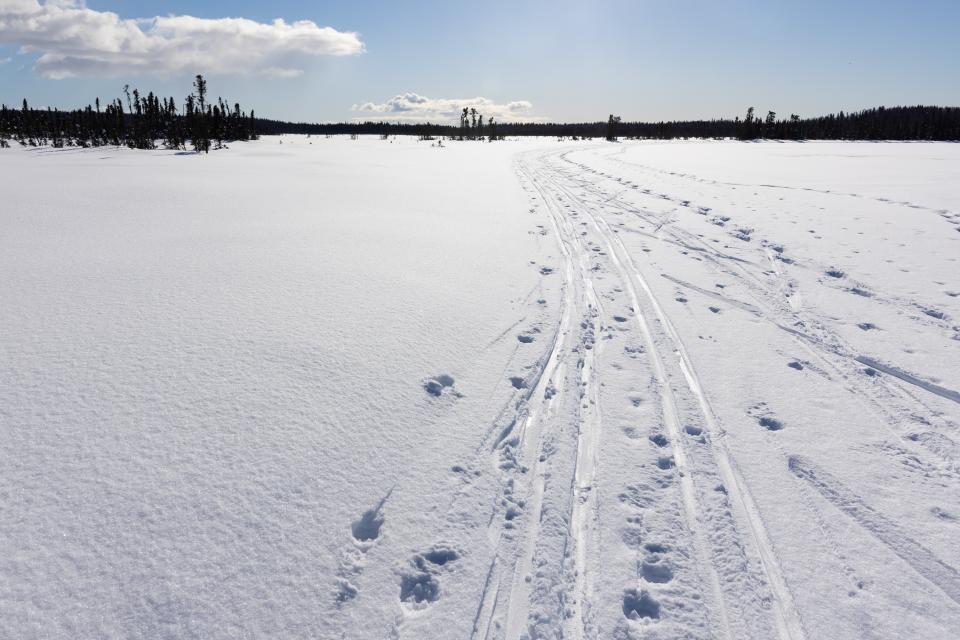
x=411, y=107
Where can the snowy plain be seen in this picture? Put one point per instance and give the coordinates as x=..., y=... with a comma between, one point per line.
x=323, y=388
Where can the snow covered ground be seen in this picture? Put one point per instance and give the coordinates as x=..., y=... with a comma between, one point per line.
x=367, y=389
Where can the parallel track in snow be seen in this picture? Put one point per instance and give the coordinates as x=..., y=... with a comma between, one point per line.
x=562, y=531
x=809, y=331
x=503, y=609
x=735, y=615
x=546, y=575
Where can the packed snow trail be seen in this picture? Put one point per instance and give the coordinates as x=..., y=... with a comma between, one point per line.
x=553, y=188
x=787, y=618
x=736, y=585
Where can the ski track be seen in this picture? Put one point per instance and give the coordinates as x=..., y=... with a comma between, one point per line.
x=735, y=615
x=812, y=333
x=538, y=466
x=828, y=192
x=920, y=559
x=949, y=394
x=545, y=525
x=786, y=618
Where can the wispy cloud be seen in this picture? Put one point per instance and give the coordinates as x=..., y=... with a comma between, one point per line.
x=74, y=40
x=411, y=107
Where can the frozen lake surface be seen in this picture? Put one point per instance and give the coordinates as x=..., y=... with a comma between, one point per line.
x=538, y=389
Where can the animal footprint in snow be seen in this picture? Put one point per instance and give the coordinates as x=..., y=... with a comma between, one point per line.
x=771, y=424
x=437, y=385
x=695, y=431
x=666, y=462
x=437, y=556
x=638, y=604
x=345, y=591
x=419, y=583
x=654, y=569
x=365, y=531
x=417, y=590
x=518, y=383
x=367, y=528
x=764, y=418
x=631, y=432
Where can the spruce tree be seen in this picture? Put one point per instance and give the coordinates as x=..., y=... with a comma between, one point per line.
x=613, y=124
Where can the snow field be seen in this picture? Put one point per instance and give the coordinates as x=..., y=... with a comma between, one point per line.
x=535, y=389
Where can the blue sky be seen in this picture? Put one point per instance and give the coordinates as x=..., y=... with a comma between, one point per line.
x=563, y=60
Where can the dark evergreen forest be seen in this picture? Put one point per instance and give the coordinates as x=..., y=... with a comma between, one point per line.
x=882, y=123
x=199, y=123
x=138, y=121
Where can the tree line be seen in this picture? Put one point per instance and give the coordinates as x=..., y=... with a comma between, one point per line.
x=139, y=122
x=881, y=123
x=144, y=121
x=896, y=123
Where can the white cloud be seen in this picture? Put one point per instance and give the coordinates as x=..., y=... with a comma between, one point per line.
x=5, y=60
x=411, y=107
x=73, y=40
x=280, y=72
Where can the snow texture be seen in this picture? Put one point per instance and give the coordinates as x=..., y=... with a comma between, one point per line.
x=322, y=388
